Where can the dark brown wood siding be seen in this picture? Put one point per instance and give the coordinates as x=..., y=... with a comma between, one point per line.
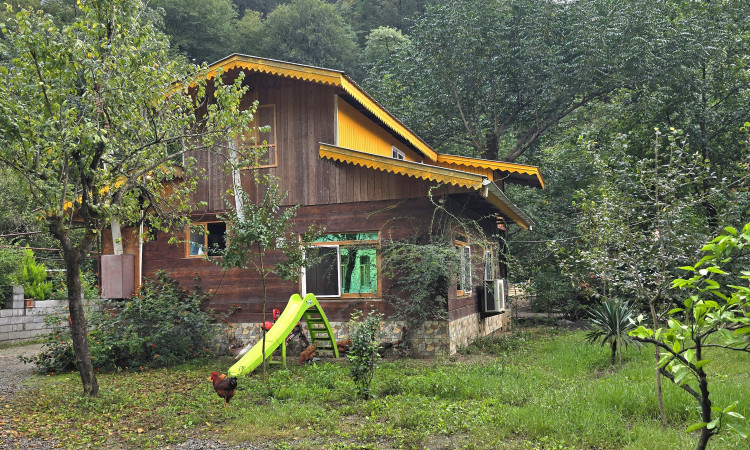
x=393, y=219
x=305, y=118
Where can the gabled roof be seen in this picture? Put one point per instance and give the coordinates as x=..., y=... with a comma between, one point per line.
x=324, y=76
x=486, y=187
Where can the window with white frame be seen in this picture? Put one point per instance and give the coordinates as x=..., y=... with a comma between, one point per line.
x=346, y=264
x=206, y=238
x=463, y=282
x=396, y=153
x=489, y=265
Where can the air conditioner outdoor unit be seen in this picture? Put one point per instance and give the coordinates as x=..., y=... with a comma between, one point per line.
x=493, y=300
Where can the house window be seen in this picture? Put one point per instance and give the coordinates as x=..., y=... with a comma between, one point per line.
x=396, y=153
x=463, y=282
x=261, y=137
x=207, y=238
x=489, y=265
x=346, y=265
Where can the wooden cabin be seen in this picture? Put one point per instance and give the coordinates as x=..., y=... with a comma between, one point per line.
x=357, y=171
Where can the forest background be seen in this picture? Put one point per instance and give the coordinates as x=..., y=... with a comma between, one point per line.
x=634, y=110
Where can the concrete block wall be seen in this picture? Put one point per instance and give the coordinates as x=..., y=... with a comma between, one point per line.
x=19, y=323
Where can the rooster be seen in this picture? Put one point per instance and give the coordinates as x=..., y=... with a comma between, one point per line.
x=307, y=354
x=224, y=386
x=385, y=346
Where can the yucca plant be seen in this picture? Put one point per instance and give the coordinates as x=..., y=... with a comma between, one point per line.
x=611, y=322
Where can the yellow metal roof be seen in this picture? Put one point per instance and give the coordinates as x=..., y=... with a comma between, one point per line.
x=529, y=174
x=480, y=183
x=324, y=76
x=402, y=167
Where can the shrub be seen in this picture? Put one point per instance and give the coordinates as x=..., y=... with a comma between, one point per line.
x=33, y=277
x=88, y=284
x=611, y=321
x=10, y=260
x=363, y=354
x=162, y=326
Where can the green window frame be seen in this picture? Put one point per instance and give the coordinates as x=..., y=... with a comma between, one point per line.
x=347, y=265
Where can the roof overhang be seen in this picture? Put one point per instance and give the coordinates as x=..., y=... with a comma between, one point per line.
x=323, y=76
x=479, y=183
x=517, y=173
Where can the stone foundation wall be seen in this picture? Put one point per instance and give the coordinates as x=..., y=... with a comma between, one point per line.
x=463, y=331
x=435, y=338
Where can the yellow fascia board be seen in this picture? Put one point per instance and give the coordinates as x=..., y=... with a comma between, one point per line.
x=280, y=68
x=401, y=167
x=492, y=165
x=323, y=76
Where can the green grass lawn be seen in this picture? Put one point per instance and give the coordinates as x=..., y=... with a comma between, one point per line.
x=542, y=389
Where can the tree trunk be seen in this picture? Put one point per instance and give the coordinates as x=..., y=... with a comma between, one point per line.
x=659, y=394
x=78, y=326
x=614, y=352
x=73, y=256
x=491, y=149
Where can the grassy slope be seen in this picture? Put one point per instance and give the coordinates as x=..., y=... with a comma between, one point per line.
x=540, y=390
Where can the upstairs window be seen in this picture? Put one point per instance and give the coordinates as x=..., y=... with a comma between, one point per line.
x=261, y=137
x=206, y=238
x=347, y=265
x=397, y=154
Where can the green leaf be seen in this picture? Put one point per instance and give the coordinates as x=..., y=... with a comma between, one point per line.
x=690, y=268
x=702, y=363
x=736, y=414
x=712, y=424
x=742, y=331
x=675, y=310
x=742, y=431
x=695, y=426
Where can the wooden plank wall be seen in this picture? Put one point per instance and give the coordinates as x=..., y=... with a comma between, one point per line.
x=304, y=119
x=394, y=219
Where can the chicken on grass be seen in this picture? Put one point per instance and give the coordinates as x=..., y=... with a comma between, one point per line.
x=224, y=386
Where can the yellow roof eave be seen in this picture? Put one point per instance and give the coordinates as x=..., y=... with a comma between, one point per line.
x=402, y=167
x=522, y=169
x=323, y=76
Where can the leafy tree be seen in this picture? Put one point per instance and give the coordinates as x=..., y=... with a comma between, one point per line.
x=90, y=116
x=366, y=15
x=716, y=315
x=202, y=29
x=247, y=36
x=640, y=221
x=487, y=75
x=309, y=32
x=257, y=229
x=695, y=79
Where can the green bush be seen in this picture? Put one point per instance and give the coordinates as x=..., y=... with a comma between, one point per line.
x=88, y=284
x=363, y=354
x=10, y=260
x=33, y=277
x=162, y=326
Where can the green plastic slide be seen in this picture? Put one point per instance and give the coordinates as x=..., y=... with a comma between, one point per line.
x=317, y=324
